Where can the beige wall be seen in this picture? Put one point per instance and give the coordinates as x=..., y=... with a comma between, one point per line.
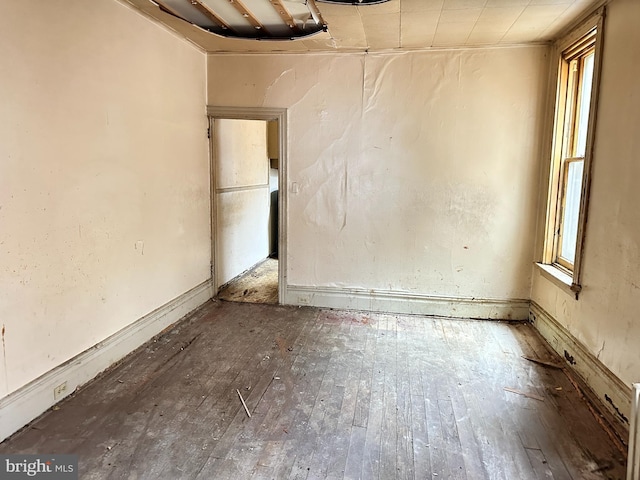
x=605, y=318
x=412, y=172
x=104, y=200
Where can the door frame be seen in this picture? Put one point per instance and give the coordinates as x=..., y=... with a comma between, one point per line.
x=253, y=113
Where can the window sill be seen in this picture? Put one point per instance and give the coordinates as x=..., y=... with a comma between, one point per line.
x=559, y=278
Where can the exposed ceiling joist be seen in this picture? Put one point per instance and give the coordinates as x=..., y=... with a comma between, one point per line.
x=393, y=25
x=248, y=19
x=251, y=18
x=285, y=15
x=210, y=14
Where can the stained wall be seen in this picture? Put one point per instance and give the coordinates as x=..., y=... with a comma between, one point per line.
x=104, y=197
x=605, y=317
x=408, y=173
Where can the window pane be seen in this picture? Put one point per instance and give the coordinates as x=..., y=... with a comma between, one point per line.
x=584, y=102
x=571, y=209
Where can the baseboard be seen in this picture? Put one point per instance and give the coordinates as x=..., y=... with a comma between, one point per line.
x=633, y=458
x=28, y=402
x=407, y=303
x=607, y=389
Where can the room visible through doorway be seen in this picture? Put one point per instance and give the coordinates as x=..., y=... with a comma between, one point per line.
x=245, y=171
x=257, y=285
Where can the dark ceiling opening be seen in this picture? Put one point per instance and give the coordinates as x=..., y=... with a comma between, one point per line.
x=252, y=19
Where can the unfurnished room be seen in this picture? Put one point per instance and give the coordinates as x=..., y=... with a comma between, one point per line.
x=330, y=239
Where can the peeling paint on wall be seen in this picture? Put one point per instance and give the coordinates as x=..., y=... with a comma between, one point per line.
x=569, y=358
x=622, y=416
x=399, y=160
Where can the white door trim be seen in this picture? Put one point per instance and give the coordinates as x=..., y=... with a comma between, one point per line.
x=255, y=113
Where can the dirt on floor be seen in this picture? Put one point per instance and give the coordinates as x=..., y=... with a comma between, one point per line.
x=257, y=285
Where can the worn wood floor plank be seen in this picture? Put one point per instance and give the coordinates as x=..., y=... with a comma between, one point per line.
x=375, y=413
x=355, y=455
x=338, y=460
x=389, y=426
x=404, y=437
x=363, y=397
x=332, y=394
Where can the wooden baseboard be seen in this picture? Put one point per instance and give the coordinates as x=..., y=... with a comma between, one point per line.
x=633, y=458
x=407, y=303
x=608, y=390
x=28, y=402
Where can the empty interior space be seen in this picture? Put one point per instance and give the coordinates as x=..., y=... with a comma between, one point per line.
x=401, y=242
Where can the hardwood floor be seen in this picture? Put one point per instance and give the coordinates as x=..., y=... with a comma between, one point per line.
x=332, y=394
x=258, y=285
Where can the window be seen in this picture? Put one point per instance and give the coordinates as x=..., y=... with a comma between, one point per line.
x=576, y=100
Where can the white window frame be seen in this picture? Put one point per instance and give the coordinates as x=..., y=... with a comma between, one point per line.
x=588, y=36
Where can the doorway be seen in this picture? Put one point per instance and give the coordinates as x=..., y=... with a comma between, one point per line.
x=248, y=231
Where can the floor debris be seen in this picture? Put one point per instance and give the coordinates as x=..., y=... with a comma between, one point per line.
x=543, y=363
x=524, y=394
x=321, y=414
x=243, y=404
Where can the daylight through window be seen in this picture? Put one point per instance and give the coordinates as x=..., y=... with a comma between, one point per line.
x=571, y=155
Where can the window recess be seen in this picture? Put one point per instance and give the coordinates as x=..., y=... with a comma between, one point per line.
x=578, y=76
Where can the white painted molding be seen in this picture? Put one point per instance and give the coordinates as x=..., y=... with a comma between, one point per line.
x=633, y=457
x=259, y=113
x=609, y=390
x=28, y=402
x=407, y=303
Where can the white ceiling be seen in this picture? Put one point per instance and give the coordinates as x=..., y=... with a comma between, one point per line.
x=407, y=24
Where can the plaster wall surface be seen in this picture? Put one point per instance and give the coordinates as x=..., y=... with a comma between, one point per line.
x=605, y=318
x=407, y=172
x=104, y=198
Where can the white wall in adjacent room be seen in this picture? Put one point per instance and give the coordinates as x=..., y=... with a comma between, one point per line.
x=242, y=196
